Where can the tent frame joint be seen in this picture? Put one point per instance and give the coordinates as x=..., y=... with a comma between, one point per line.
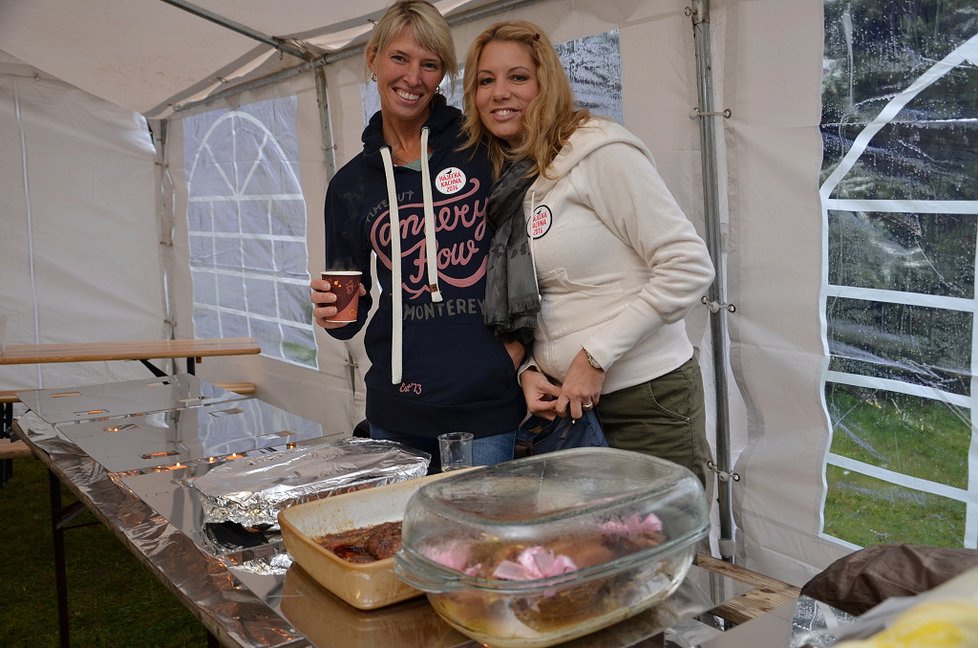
x=716, y=307
x=723, y=475
x=696, y=113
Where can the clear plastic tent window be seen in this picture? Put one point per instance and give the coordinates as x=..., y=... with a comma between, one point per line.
x=246, y=219
x=900, y=209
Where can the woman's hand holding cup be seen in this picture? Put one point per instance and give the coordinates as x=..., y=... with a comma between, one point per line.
x=335, y=297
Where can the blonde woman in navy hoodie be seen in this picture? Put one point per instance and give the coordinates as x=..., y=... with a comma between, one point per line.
x=435, y=366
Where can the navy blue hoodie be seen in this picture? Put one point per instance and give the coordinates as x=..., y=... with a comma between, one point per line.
x=454, y=374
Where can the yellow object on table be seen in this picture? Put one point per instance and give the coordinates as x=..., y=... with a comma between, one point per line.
x=941, y=624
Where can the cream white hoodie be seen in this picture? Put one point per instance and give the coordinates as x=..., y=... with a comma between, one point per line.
x=618, y=263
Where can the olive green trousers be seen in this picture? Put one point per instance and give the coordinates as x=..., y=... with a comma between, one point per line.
x=665, y=417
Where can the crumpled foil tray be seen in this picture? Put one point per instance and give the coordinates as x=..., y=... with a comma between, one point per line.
x=252, y=490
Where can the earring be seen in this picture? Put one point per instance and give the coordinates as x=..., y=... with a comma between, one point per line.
x=373, y=76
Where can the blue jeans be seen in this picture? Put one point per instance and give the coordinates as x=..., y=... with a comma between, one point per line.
x=486, y=451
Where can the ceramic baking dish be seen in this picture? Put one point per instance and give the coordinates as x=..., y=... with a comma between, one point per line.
x=363, y=585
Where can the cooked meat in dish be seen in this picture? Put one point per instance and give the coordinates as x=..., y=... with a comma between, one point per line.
x=364, y=545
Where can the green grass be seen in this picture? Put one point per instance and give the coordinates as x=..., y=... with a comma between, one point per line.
x=112, y=599
x=914, y=436
x=867, y=511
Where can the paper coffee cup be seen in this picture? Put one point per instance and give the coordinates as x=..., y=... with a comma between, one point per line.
x=345, y=284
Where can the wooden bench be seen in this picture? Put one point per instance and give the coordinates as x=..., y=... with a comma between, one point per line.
x=766, y=595
x=10, y=449
x=9, y=396
x=243, y=388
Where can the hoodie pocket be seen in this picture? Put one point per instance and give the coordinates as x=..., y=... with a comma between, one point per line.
x=569, y=306
x=456, y=363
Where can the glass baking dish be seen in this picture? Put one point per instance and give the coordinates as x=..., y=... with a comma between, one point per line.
x=541, y=550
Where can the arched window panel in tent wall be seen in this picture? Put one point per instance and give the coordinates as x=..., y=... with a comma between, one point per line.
x=900, y=210
x=246, y=219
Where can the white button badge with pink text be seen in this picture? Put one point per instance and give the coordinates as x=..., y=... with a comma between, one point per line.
x=450, y=180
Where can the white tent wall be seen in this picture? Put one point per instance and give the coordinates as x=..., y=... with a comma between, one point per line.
x=772, y=86
x=79, y=244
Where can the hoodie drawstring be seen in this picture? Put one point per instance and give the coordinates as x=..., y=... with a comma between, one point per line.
x=431, y=250
x=431, y=245
x=396, y=334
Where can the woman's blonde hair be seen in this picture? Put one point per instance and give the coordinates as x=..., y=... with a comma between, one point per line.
x=431, y=30
x=548, y=120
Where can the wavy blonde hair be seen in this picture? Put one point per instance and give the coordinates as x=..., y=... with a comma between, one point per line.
x=548, y=120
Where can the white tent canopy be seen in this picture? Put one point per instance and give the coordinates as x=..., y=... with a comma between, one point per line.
x=107, y=105
x=150, y=55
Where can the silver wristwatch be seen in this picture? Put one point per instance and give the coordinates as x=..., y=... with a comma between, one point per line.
x=591, y=361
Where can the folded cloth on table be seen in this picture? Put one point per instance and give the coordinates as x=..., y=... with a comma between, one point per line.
x=865, y=578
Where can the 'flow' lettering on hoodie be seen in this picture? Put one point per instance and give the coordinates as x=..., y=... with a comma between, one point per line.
x=460, y=262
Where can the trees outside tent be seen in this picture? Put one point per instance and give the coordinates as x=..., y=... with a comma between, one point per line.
x=900, y=133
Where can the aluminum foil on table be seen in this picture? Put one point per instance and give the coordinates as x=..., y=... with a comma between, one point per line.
x=207, y=432
x=201, y=582
x=251, y=491
x=89, y=402
x=257, y=598
x=816, y=624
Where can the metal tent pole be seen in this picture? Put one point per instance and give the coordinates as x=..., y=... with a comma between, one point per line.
x=700, y=15
x=280, y=44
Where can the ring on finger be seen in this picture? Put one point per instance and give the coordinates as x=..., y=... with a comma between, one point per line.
x=587, y=405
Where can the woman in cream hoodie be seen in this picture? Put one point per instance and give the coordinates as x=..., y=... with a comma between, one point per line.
x=578, y=203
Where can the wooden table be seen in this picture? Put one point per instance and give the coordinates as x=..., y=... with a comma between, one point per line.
x=238, y=615
x=142, y=350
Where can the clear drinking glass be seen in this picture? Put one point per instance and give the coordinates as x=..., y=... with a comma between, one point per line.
x=456, y=450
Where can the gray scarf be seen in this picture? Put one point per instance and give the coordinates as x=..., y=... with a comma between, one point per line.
x=512, y=297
